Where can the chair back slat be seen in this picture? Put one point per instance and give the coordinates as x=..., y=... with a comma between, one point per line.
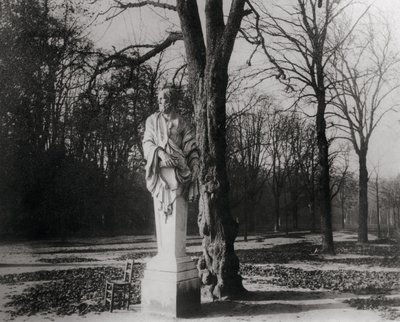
x=128, y=271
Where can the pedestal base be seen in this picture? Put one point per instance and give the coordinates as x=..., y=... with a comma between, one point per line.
x=171, y=292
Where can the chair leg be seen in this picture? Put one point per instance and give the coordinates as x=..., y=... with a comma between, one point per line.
x=107, y=292
x=105, y=295
x=112, y=298
x=129, y=297
x=120, y=298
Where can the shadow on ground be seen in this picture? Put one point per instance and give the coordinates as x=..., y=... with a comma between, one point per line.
x=274, y=302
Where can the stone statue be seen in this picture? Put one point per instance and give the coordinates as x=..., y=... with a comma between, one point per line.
x=170, y=149
x=170, y=285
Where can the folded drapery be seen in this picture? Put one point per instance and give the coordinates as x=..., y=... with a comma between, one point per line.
x=180, y=144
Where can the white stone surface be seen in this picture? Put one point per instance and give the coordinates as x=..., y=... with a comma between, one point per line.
x=163, y=294
x=171, y=286
x=171, y=230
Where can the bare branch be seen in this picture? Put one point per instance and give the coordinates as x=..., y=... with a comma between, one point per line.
x=261, y=40
x=139, y=4
x=121, y=59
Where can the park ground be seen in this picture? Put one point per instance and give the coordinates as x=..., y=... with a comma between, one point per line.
x=288, y=279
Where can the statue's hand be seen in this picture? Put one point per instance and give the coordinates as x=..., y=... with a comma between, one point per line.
x=168, y=160
x=195, y=172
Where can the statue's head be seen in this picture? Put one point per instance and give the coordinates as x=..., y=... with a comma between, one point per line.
x=165, y=99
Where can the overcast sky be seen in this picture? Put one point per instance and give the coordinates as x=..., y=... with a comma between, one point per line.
x=148, y=26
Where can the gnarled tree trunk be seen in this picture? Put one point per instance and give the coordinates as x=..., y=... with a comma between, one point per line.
x=219, y=264
x=208, y=76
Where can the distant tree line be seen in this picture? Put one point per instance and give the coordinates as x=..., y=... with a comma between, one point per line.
x=273, y=167
x=70, y=135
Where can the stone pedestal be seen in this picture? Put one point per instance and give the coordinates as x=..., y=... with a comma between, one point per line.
x=171, y=285
x=171, y=293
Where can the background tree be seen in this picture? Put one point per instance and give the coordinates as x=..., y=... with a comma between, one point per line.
x=346, y=198
x=301, y=165
x=278, y=148
x=378, y=205
x=308, y=166
x=38, y=76
x=70, y=134
x=365, y=65
x=391, y=201
x=296, y=43
x=248, y=142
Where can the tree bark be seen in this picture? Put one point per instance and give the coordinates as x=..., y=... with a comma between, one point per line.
x=208, y=77
x=343, y=212
x=295, y=210
x=219, y=264
x=378, y=219
x=277, y=224
x=324, y=178
x=323, y=150
x=245, y=224
x=312, y=210
x=286, y=212
x=363, y=198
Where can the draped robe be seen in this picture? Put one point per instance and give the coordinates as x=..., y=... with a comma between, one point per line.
x=180, y=143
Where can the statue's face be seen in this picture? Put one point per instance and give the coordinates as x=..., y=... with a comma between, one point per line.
x=165, y=102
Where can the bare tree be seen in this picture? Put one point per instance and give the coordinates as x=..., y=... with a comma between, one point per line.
x=299, y=51
x=247, y=155
x=365, y=68
x=339, y=168
x=308, y=164
x=346, y=197
x=391, y=201
x=378, y=206
x=208, y=58
x=303, y=165
x=292, y=158
x=291, y=143
x=279, y=150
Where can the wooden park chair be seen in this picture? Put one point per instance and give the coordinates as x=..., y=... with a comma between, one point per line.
x=118, y=291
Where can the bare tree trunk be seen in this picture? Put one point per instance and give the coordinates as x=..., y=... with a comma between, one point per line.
x=363, y=198
x=295, y=210
x=343, y=213
x=277, y=224
x=219, y=264
x=246, y=225
x=311, y=207
x=378, y=208
x=286, y=213
x=208, y=77
x=324, y=178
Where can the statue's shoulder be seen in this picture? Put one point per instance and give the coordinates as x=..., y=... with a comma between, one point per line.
x=153, y=117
